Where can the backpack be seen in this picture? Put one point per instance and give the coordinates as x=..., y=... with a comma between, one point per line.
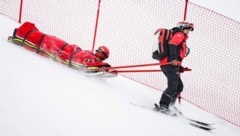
x=160, y=48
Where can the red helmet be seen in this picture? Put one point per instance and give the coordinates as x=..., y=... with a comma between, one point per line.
x=185, y=25
x=102, y=52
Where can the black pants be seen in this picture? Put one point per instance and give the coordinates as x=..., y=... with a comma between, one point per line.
x=174, y=87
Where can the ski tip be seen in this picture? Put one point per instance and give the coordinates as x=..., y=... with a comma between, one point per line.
x=207, y=128
x=200, y=122
x=156, y=107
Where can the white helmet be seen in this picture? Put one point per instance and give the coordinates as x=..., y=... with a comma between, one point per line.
x=185, y=25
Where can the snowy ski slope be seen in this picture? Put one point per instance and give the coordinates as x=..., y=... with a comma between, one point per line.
x=40, y=97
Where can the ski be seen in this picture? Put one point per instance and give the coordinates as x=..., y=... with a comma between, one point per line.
x=98, y=72
x=193, y=122
x=207, y=128
x=198, y=124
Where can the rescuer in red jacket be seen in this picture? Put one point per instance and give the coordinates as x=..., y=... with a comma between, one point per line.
x=177, y=52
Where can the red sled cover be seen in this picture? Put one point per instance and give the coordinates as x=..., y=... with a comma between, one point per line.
x=29, y=36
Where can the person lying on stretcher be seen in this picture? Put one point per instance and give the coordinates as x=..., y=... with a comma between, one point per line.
x=28, y=36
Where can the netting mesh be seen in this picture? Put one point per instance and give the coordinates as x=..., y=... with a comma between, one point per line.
x=10, y=8
x=214, y=81
x=127, y=27
x=71, y=20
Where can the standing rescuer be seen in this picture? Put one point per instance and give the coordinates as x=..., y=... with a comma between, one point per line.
x=177, y=51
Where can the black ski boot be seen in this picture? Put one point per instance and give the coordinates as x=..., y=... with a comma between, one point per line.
x=164, y=109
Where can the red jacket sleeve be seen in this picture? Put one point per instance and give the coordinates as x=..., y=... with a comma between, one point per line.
x=177, y=38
